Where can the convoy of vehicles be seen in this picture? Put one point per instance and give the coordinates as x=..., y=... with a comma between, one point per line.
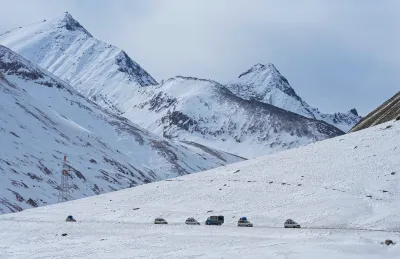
x=213, y=220
x=219, y=220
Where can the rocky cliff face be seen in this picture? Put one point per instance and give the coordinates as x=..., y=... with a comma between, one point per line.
x=389, y=110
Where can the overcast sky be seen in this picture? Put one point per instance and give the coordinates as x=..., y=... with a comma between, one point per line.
x=336, y=54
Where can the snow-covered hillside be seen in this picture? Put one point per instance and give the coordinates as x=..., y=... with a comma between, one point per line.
x=265, y=83
x=102, y=72
x=42, y=118
x=343, y=191
x=203, y=111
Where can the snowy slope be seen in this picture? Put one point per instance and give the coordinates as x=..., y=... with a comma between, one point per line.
x=343, y=191
x=264, y=83
x=102, y=72
x=42, y=118
x=389, y=110
x=203, y=111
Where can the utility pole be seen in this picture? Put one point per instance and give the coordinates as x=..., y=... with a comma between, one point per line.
x=64, y=194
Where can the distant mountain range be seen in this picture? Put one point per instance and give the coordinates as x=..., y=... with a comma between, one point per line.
x=244, y=118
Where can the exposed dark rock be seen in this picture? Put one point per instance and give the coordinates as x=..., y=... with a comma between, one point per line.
x=32, y=202
x=19, y=184
x=384, y=113
x=354, y=111
x=92, y=161
x=11, y=206
x=17, y=196
x=35, y=177
x=389, y=242
x=44, y=169
x=14, y=134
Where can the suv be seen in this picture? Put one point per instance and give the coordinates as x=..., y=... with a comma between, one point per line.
x=160, y=221
x=191, y=221
x=243, y=222
x=70, y=219
x=215, y=220
x=291, y=224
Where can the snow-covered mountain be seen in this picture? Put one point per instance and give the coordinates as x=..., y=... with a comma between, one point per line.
x=389, y=110
x=344, y=192
x=42, y=118
x=102, y=72
x=187, y=109
x=203, y=111
x=265, y=83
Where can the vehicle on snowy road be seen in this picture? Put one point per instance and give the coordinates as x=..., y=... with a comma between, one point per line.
x=215, y=220
x=191, y=221
x=70, y=219
x=160, y=221
x=291, y=224
x=243, y=222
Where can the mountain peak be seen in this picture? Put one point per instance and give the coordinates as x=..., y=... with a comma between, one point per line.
x=262, y=82
x=354, y=111
x=261, y=68
x=68, y=22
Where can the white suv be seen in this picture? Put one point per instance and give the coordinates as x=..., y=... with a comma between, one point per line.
x=291, y=224
x=191, y=221
x=243, y=222
x=160, y=221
